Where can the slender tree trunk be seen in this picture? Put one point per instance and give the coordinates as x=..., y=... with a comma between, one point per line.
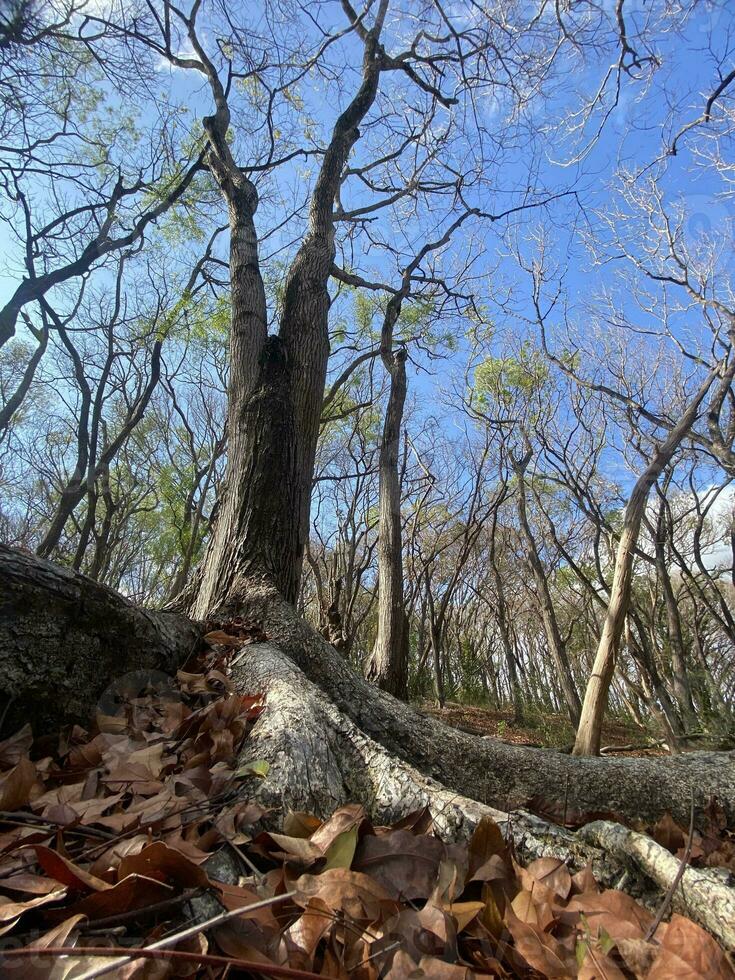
x=502, y=621
x=595, y=700
x=679, y=674
x=557, y=647
x=387, y=666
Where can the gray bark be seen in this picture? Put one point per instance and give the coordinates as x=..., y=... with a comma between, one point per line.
x=64, y=637
x=387, y=665
x=557, y=647
x=493, y=773
x=276, y=387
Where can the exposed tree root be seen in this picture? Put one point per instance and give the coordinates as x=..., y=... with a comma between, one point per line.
x=703, y=895
x=64, y=637
x=331, y=738
x=319, y=760
x=496, y=774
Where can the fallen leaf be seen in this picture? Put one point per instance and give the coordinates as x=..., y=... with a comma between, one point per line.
x=351, y=892
x=406, y=866
x=688, y=952
x=17, y=784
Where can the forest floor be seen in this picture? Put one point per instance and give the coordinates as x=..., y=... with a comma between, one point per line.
x=138, y=849
x=541, y=729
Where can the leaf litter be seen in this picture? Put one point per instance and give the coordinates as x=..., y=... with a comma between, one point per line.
x=105, y=839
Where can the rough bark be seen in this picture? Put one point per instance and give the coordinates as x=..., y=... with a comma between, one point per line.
x=496, y=774
x=320, y=759
x=387, y=665
x=64, y=637
x=595, y=699
x=291, y=367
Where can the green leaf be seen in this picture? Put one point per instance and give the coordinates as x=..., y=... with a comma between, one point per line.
x=342, y=850
x=257, y=768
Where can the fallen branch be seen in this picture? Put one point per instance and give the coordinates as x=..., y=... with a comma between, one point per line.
x=696, y=893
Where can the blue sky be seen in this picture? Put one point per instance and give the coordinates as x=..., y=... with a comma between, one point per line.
x=650, y=108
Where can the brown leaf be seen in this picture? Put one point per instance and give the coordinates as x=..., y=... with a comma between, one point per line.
x=433, y=967
x=584, y=880
x=341, y=820
x=163, y=863
x=30, y=884
x=464, y=912
x=221, y=638
x=540, y=950
x=17, y=785
x=688, y=952
x=615, y=912
x=297, y=824
x=281, y=846
x=406, y=866
x=351, y=892
x=65, y=871
x=638, y=955
x=303, y=935
x=668, y=833
x=494, y=869
x=133, y=892
x=17, y=747
x=598, y=965
x=552, y=874
x=11, y=911
x=59, y=934
x=486, y=841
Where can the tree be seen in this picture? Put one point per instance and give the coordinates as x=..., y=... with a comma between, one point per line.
x=595, y=699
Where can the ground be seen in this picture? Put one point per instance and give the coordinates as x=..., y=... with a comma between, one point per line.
x=540, y=729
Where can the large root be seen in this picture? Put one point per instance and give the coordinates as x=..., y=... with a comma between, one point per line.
x=64, y=637
x=493, y=773
x=319, y=760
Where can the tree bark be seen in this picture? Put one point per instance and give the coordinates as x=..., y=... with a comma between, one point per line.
x=68, y=631
x=332, y=738
x=502, y=620
x=65, y=637
x=291, y=367
x=595, y=699
x=387, y=665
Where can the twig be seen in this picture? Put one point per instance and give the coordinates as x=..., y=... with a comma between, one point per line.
x=607, y=749
x=185, y=933
x=111, y=920
x=123, y=956
x=677, y=878
x=260, y=876
x=20, y=818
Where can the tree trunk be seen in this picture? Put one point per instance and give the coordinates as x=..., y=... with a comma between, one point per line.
x=595, y=699
x=557, y=647
x=387, y=665
x=257, y=534
x=502, y=621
